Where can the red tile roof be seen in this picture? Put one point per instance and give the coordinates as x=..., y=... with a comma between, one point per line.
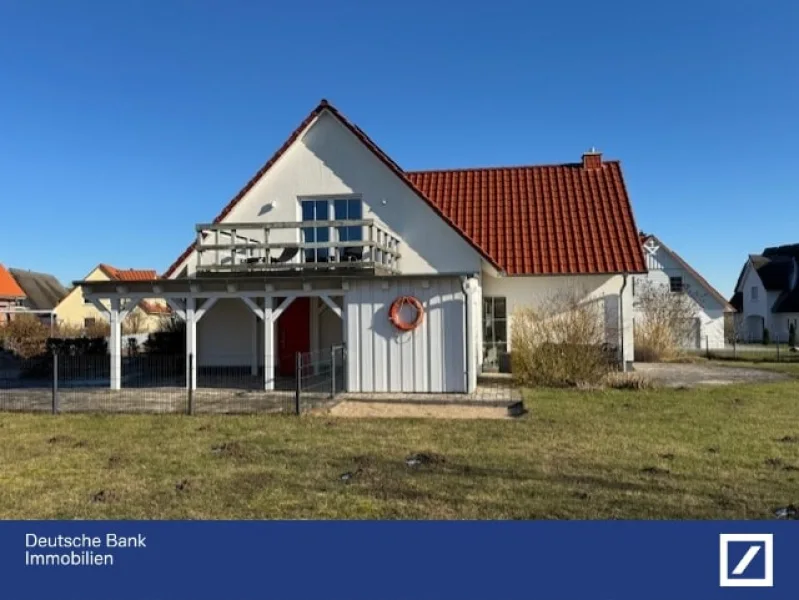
x=128, y=274
x=9, y=288
x=542, y=220
x=565, y=219
x=154, y=308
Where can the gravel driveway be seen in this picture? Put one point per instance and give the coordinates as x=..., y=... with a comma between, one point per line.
x=690, y=375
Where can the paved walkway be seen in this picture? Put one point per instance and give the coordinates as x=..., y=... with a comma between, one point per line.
x=493, y=390
x=690, y=374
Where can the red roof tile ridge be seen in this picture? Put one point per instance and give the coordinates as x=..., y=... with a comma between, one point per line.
x=518, y=167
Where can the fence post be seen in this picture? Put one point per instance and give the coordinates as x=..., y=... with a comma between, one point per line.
x=332, y=371
x=778, y=350
x=734, y=348
x=55, y=383
x=298, y=382
x=707, y=346
x=189, y=386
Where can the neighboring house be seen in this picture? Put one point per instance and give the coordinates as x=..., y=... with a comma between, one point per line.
x=767, y=294
x=667, y=270
x=43, y=292
x=11, y=296
x=77, y=311
x=331, y=233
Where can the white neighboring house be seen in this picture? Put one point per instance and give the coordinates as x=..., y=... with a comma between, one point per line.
x=330, y=232
x=767, y=294
x=666, y=268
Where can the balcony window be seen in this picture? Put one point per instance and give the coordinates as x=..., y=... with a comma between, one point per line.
x=338, y=209
x=349, y=209
x=316, y=210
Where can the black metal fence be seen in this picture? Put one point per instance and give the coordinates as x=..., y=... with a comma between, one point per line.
x=61, y=383
x=775, y=351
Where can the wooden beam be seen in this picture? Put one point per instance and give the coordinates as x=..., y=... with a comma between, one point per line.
x=178, y=306
x=282, y=225
x=333, y=306
x=207, y=305
x=253, y=306
x=99, y=305
x=269, y=344
x=283, y=306
x=129, y=306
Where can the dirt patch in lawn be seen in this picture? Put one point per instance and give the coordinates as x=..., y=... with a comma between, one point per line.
x=390, y=410
x=690, y=375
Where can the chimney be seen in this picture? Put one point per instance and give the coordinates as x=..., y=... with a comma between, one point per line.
x=592, y=160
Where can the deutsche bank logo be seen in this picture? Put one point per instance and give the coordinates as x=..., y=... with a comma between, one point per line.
x=746, y=560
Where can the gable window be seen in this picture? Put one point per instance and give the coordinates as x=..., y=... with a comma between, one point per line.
x=337, y=209
x=495, y=331
x=676, y=284
x=754, y=292
x=349, y=209
x=316, y=210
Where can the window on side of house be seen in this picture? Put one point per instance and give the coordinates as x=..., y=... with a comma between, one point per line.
x=89, y=322
x=754, y=292
x=676, y=284
x=495, y=331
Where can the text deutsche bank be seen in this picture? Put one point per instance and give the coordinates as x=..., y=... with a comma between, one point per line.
x=77, y=550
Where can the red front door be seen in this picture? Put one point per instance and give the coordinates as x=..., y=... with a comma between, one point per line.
x=293, y=334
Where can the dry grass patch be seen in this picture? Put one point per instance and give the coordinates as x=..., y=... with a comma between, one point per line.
x=711, y=453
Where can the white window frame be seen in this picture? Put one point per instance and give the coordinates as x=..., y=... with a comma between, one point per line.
x=333, y=234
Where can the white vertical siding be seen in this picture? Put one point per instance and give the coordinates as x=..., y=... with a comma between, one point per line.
x=224, y=335
x=430, y=358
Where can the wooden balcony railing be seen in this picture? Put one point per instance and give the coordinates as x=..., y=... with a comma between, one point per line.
x=297, y=246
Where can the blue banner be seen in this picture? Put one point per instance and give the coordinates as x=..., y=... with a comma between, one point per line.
x=375, y=560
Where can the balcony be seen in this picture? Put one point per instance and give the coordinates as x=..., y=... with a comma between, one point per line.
x=344, y=246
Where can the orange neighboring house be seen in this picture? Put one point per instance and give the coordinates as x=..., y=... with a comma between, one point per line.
x=75, y=310
x=11, y=295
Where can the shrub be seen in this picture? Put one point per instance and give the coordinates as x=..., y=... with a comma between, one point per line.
x=628, y=381
x=792, y=335
x=169, y=339
x=664, y=321
x=26, y=336
x=98, y=329
x=560, y=343
x=766, y=337
x=78, y=346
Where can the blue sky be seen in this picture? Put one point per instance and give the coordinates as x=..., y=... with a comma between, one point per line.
x=124, y=124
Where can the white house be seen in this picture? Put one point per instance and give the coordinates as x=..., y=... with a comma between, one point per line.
x=667, y=270
x=331, y=233
x=767, y=294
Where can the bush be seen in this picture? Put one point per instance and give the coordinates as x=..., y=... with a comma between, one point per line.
x=665, y=320
x=78, y=346
x=766, y=337
x=561, y=343
x=628, y=381
x=26, y=336
x=169, y=339
x=792, y=335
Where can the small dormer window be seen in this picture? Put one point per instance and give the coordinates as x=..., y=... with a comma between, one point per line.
x=754, y=292
x=675, y=284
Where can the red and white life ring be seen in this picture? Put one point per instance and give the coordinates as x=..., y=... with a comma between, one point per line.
x=396, y=308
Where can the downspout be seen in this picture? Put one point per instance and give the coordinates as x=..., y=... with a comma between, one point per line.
x=468, y=289
x=624, y=275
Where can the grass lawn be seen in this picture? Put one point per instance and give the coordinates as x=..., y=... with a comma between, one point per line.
x=717, y=452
